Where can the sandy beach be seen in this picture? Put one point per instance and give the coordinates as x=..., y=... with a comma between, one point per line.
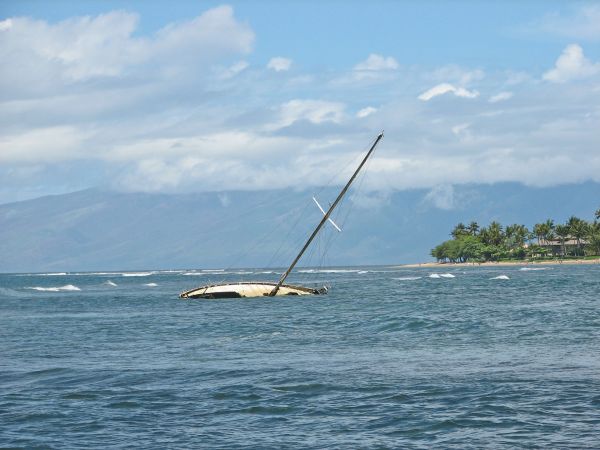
x=506, y=263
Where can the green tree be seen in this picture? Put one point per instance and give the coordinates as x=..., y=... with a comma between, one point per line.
x=562, y=231
x=578, y=228
x=473, y=228
x=459, y=230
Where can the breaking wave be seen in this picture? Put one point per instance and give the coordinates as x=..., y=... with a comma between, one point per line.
x=68, y=287
x=441, y=275
x=500, y=277
x=407, y=278
x=151, y=284
x=137, y=274
x=533, y=268
x=330, y=271
x=110, y=283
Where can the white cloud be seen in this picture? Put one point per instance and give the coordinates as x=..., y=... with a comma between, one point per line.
x=41, y=57
x=366, y=112
x=234, y=69
x=279, y=64
x=314, y=111
x=178, y=115
x=377, y=62
x=442, y=196
x=571, y=65
x=445, y=88
x=501, y=96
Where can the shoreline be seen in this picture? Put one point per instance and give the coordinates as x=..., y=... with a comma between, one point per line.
x=571, y=262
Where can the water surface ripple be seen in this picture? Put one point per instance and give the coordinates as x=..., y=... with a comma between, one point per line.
x=391, y=358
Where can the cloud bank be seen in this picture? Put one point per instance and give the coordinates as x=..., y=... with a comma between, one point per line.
x=90, y=100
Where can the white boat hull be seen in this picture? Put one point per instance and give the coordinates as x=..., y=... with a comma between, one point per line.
x=248, y=289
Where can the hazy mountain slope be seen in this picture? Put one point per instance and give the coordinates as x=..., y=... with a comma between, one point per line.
x=93, y=229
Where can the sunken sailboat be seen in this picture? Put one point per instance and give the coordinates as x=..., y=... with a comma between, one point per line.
x=261, y=288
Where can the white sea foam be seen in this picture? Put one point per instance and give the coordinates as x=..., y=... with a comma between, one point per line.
x=446, y=275
x=533, y=268
x=330, y=271
x=407, y=278
x=500, y=277
x=68, y=287
x=110, y=283
x=213, y=270
x=151, y=284
x=53, y=274
x=362, y=271
x=434, y=275
x=196, y=273
x=137, y=274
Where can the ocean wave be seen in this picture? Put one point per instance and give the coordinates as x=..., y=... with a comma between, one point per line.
x=500, y=277
x=110, y=283
x=441, y=275
x=330, y=271
x=533, y=268
x=68, y=287
x=407, y=278
x=52, y=274
x=196, y=274
x=151, y=284
x=136, y=274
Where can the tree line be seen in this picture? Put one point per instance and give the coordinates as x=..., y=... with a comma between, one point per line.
x=471, y=243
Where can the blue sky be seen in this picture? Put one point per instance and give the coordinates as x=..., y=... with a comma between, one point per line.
x=185, y=96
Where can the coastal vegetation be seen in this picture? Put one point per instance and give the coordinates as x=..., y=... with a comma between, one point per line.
x=576, y=238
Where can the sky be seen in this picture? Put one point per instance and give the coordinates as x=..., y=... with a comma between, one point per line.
x=192, y=96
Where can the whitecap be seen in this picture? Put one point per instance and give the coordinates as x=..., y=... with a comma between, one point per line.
x=53, y=274
x=407, y=278
x=500, y=277
x=330, y=271
x=447, y=275
x=151, y=284
x=110, y=283
x=533, y=268
x=137, y=274
x=195, y=273
x=363, y=271
x=434, y=275
x=68, y=287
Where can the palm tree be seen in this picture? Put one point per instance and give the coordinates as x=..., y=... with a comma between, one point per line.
x=578, y=228
x=597, y=214
x=459, y=230
x=538, y=231
x=495, y=233
x=562, y=231
x=473, y=228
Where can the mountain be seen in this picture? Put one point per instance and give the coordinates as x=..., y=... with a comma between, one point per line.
x=103, y=230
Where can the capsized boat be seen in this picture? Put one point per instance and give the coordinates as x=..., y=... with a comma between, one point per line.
x=261, y=289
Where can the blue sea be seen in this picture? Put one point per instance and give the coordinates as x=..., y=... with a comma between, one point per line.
x=459, y=357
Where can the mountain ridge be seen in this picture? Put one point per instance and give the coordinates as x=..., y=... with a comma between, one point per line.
x=96, y=229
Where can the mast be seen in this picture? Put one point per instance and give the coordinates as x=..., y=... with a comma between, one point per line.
x=325, y=217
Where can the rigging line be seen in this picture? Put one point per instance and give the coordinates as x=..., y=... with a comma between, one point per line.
x=350, y=162
x=254, y=244
x=290, y=230
x=349, y=209
x=216, y=226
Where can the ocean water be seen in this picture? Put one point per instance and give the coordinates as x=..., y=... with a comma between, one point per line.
x=474, y=357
